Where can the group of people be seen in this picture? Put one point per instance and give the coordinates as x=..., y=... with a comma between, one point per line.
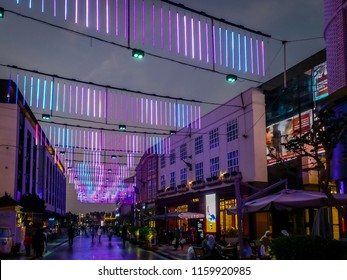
x=37, y=242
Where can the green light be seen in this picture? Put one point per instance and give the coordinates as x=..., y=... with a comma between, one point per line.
x=231, y=78
x=122, y=127
x=46, y=117
x=2, y=12
x=138, y=54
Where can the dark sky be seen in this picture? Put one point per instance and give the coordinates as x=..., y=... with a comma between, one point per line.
x=29, y=44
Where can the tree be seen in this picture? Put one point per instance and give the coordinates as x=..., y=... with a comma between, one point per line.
x=32, y=203
x=7, y=200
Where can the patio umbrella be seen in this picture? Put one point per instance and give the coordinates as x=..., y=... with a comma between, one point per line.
x=288, y=200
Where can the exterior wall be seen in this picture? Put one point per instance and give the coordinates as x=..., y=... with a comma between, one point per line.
x=8, y=148
x=335, y=34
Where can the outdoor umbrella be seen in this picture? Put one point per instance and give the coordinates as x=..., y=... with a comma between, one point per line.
x=288, y=199
x=177, y=215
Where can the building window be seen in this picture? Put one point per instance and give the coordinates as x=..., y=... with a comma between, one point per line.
x=183, y=173
x=233, y=161
x=214, y=138
x=183, y=151
x=172, y=157
x=232, y=130
x=199, y=147
x=162, y=182
x=162, y=161
x=154, y=189
x=172, y=179
x=149, y=189
x=199, y=171
x=214, y=166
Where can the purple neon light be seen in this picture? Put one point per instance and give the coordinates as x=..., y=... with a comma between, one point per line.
x=185, y=35
x=55, y=8
x=38, y=93
x=257, y=51
x=207, y=43
x=70, y=99
x=44, y=94
x=107, y=16
x=193, y=43
x=214, y=44
x=100, y=103
x=137, y=109
x=162, y=27
x=178, y=32
x=232, y=50
x=88, y=102
x=125, y=19
x=76, y=92
x=226, y=49
x=42, y=6
x=263, y=56
x=126, y=107
x=153, y=25
x=239, y=50
x=252, y=62
x=116, y=18
x=65, y=10
x=76, y=11
x=245, y=51
x=134, y=16
x=87, y=13
x=170, y=31
x=97, y=14
x=82, y=101
x=143, y=22
x=200, y=54
x=220, y=46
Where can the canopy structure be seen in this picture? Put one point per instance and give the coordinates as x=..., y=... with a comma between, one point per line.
x=178, y=215
x=288, y=199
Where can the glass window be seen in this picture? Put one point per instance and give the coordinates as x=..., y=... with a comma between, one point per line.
x=199, y=171
x=233, y=161
x=172, y=157
x=232, y=130
x=162, y=181
x=214, y=138
x=162, y=161
x=214, y=166
x=183, y=151
x=172, y=179
x=199, y=145
x=183, y=173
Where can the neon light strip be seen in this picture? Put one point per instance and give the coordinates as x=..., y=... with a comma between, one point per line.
x=263, y=56
x=143, y=22
x=76, y=92
x=51, y=96
x=82, y=99
x=38, y=93
x=24, y=89
x=42, y=6
x=125, y=19
x=116, y=18
x=153, y=25
x=17, y=83
x=193, y=43
x=220, y=46
x=252, y=62
x=200, y=56
x=57, y=102
x=257, y=50
x=232, y=50
x=178, y=32
x=107, y=16
x=207, y=50
x=185, y=35
x=55, y=8
x=94, y=103
x=162, y=27
x=88, y=101
x=87, y=13
x=63, y=137
x=65, y=10
x=134, y=17
x=226, y=49
x=64, y=97
x=170, y=31
x=76, y=11
x=29, y=4
x=36, y=134
x=239, y=50
x=97, y=14
x=214, y=44
x=70, y=99
x=245, y=51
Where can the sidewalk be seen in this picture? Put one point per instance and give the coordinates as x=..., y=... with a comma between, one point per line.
x=169, y=252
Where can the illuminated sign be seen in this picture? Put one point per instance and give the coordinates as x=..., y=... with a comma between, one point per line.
x=211, y=213
x=320, y=81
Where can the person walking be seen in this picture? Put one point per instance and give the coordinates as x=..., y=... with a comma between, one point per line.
x=178, y=236
x=27, y=244
x=92, y=233
x=99, y=233
x=124, y=234
x=110, y=233
x=71, y=235
x=39, y=240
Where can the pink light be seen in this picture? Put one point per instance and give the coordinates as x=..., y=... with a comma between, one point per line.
x=107, y=16
x=76, y=100
x=143, y=22
x=200, y=54
x=94, y=103
x=126, y=107
x=134, y=16
x=226, y=49
x=142, y=110
x=161, y=112
x=76, y=11
x=170, y=31
x=207, y=50
x=88, y=101
x=220, y=47
x=82, y=99
x=263, y=56
x=137, y=109
x=252, y=62
x=70, y=99
x=105, y=105
x=178, y=32
x=55, y=8
x=192, y=30
x=87, y=13
x=257, y=51
x=97, y=14
x=57, y=103
x=162, y=27
x=147, y=111
x=214, y=44
x=125, y=19
x=116, y=18
x=153, y=25
x=185, y=35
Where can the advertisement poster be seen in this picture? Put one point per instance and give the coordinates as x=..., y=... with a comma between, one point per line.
x=320, y=81
x=275, y=134
x=211, y=213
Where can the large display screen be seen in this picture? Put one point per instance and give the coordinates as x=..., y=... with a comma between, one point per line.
x=320, y=81
x=211, y=216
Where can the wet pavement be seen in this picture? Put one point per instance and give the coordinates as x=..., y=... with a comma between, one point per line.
x=84, y=249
